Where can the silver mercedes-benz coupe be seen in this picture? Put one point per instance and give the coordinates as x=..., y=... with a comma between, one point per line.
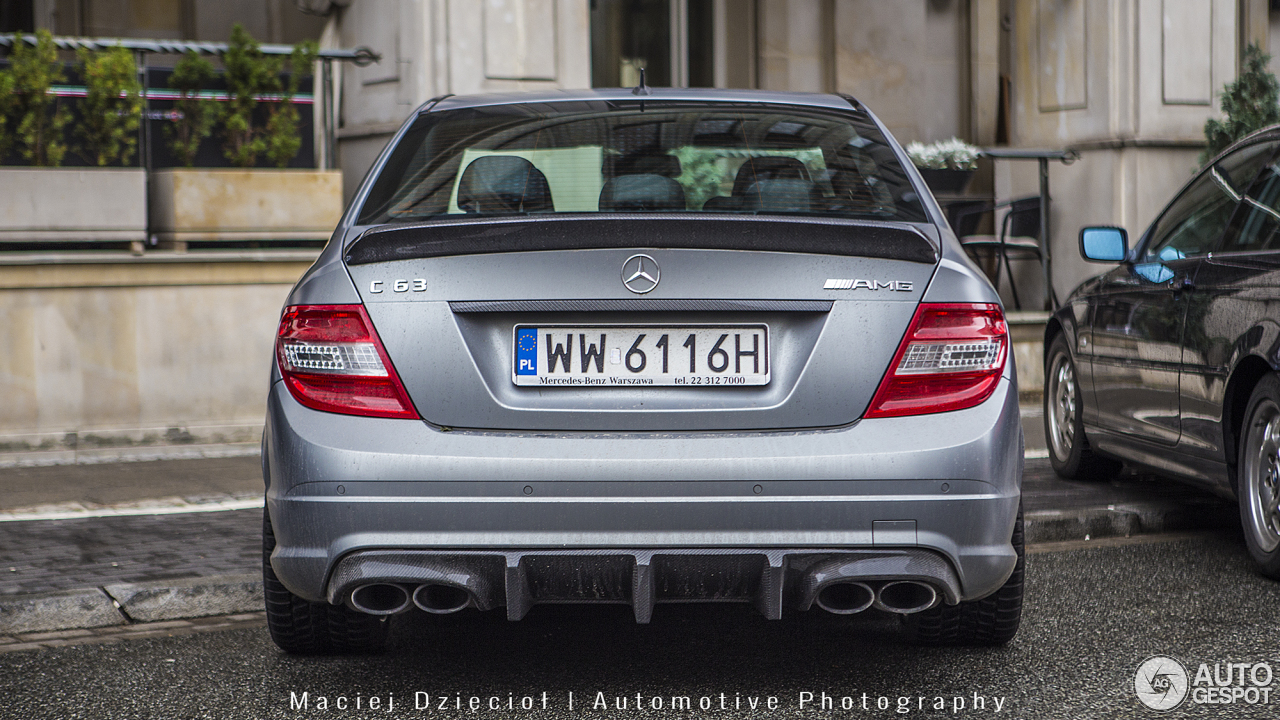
x=642, y=347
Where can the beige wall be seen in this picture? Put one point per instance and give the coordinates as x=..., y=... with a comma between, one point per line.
x=433, y=47
x=139, y=351
x=1128, y=83
x=908, y=62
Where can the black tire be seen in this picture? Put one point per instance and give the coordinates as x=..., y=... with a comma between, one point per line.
x=993, y=620
x=1069, y=451
x=309, y=628
x=1258, y=475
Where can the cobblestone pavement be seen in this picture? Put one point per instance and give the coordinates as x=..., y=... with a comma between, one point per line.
x=46, y=555
x=107, y=483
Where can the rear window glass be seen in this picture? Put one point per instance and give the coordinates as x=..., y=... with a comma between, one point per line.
x=642, y=156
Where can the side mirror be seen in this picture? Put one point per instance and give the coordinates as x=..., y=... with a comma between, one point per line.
x=1104, y=244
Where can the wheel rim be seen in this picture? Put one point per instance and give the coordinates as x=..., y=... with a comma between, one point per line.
x=1260, y=477
x=1061, y=410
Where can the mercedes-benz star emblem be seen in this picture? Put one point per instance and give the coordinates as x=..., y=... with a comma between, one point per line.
x=640, y=273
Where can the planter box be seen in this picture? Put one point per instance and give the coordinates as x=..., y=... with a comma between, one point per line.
x=72, y=204
x=946, y=182
x=212, y=205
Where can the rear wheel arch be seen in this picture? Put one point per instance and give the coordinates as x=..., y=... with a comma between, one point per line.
x=1052, y=329
x=1244, y=378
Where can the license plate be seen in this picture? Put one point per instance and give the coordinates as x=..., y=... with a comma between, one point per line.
x=640, y=355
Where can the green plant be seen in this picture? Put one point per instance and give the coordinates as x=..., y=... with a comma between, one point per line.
x=190, y=75
x=249, y=74
x=6, y=104
x=112, y=109
x=282, y=137
x=1250, y=103
x=953, y=154
x=40, y=117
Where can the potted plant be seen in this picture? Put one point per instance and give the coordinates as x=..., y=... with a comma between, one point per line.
x=247, y=202
x=946, y=165
x=42, y=202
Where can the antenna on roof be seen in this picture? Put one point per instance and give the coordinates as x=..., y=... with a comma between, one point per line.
x=642, y=88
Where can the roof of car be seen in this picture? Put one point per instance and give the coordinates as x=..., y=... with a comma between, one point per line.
x=450, y=102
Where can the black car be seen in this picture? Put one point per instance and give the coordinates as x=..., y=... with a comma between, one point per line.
x=1169, y=361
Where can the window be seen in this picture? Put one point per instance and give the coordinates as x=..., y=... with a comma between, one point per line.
x=642, y=156
x=1260, y=227
x=1195, y=221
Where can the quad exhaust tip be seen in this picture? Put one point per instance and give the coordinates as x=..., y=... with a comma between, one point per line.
x=905, y=597
x=846, y=598
x=441, y=599
x=380, y=599
x=900, y=596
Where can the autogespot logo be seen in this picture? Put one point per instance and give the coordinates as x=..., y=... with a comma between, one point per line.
x=1161, y=683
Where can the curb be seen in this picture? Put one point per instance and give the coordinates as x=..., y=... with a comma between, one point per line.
x=189, y=598
x=87, y=608
x=1125, y=520
x=127, y=603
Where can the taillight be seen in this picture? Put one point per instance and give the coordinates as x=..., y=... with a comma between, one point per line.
x=332, y=360
x=951, y=358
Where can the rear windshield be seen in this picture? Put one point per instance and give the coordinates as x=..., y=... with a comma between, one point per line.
x=641, y=156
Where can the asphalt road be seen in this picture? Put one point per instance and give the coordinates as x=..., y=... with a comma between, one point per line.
x=1094, y=612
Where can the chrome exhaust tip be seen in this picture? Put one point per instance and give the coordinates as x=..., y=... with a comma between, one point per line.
x=905, y=597
x=380, y=599
x=846, y=598
x=441, y=599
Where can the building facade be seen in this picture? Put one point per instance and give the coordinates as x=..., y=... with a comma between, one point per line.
x=1128, y=84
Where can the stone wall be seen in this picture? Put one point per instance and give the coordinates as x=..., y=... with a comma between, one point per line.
x=115, y=350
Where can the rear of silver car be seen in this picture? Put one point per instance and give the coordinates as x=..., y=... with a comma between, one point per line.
x=635, y=404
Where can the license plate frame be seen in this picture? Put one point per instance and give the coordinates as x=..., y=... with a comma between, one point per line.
x=613, y=363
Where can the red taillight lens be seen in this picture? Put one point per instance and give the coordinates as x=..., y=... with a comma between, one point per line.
x=950, y=359
x=332, y=360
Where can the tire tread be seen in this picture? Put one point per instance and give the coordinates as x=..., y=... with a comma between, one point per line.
x=302, y=627
x=993, y=620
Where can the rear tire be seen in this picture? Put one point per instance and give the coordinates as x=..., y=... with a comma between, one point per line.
x=1258, y=481
x=1069, y=451
x=993, y=620
x=307, y=628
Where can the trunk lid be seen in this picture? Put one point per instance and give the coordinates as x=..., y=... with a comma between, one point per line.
x=447, y=302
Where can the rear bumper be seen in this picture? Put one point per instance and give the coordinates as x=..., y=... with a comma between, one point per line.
x=943, y=486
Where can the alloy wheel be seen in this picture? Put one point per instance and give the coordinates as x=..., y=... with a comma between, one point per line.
x=1061, y=410
x=1260, y=477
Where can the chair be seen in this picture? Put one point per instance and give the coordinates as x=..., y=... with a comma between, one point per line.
x=1019, y=234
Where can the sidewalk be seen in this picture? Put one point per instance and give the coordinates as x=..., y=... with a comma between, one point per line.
x=141, y=543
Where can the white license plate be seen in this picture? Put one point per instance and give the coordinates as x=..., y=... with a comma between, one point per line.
x=640, y=355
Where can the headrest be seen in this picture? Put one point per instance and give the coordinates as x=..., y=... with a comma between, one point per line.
x=785, y=195
x=665, y=165
x=652, y=193
x=500, y=184
x=768, y=168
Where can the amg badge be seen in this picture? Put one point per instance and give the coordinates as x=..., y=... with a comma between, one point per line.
x=847, y=284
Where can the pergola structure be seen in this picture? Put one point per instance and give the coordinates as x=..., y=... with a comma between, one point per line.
x=142, y=48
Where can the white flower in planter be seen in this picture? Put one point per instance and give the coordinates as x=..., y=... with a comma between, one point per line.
x=953, y=154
